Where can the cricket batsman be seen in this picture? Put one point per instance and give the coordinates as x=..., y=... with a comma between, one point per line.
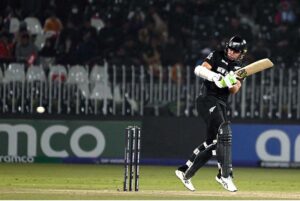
x=220, y=81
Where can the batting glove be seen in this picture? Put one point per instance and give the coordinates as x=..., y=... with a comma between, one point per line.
x=229, y=80
x=218, y=80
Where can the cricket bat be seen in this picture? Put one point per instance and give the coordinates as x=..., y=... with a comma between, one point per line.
x=254, y=67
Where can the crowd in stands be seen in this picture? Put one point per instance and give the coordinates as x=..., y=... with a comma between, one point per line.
x=146, y=32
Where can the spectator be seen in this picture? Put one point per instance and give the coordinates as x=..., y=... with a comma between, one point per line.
x=5, y=47
x=186, y=21
x=285, y=13
x=108, y=38
x=67, y=45
x=87, y=28
x=87, y=49
x=136, y=22
x=53, y=24
x=25, y=49
x=49, y=48
x=160, y=28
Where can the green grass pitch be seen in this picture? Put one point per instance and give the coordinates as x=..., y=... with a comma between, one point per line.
x=69, y=181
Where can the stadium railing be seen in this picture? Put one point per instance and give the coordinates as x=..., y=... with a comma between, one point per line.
x=141, y=91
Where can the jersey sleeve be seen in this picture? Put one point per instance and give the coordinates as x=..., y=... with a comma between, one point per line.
x=211, y=59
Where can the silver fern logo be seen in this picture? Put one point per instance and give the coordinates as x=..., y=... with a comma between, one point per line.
x=211, y=109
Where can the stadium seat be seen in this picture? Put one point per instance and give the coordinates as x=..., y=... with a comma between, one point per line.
x=97, y=23
x=99, y=74
x=100, y=79
x=35, y=90
x=34, y=25
x=57, y=72
x=40, y=41
x=14, y=85
x=35, y=73
x=14, y=73
x=57, y=77
x=101, y=92
x=79, y=76
x=14, y=25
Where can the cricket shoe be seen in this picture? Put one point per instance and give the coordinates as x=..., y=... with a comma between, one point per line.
x=227, y=183
x=186, y=182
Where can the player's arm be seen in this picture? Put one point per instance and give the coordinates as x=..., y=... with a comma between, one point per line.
x=204, y=71
x=236, y=87
x=206, y=65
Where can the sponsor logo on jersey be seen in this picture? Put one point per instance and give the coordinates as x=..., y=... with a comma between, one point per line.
x=222, y=70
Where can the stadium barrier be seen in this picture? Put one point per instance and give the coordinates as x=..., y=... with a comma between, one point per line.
x=165, y=141
x=140, y=91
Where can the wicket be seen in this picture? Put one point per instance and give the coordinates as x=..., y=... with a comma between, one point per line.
x=132, y=157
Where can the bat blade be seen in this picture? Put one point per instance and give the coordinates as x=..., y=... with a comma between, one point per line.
x=254, y=67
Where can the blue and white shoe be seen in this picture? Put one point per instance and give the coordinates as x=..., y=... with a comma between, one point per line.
x=186, y=182
x=227, y=183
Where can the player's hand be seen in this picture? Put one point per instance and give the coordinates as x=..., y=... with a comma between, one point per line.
x=232, y=77
x=229, y=80
x=242, y=74
x=218, y=80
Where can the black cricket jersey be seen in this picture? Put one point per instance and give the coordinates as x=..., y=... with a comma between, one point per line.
x=222, y=65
